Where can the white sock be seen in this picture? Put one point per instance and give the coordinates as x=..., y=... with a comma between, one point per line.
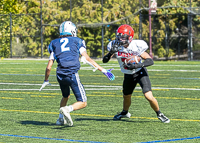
x=60, y=115
x=71, y=108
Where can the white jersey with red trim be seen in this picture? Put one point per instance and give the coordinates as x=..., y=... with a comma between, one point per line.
x=136, y=47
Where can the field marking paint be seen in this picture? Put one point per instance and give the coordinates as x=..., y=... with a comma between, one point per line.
x=170, y=140
x=9, y=135
x=17, y=92
x=11, y=98
x=43, y=96
x=113, y=95
x=89, y=85
x=94, y=115
x=110, y=88
x=143, y=97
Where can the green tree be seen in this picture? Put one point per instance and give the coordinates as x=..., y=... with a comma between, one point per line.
x=7, y=7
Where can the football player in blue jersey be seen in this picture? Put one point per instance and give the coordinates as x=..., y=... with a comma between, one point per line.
x=66, y=51
x=124, y=46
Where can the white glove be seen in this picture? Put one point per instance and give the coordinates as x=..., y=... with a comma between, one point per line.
x=45, y=83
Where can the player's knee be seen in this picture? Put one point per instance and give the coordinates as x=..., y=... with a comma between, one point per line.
x=84, y=104
x=149, y=96
x=127, y=96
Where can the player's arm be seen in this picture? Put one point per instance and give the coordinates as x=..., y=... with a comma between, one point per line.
x=113, y=47
x=91, y=61
x=107, y=57
x=148, y=62
x=48, y=69
x=47, y=73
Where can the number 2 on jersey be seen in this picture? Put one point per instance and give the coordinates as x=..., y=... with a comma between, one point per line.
x=64, y=42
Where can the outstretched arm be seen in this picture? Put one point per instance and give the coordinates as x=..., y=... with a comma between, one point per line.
x=91, y=62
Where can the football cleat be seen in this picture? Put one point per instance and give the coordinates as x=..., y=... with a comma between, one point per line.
x=119, y=116
x=163, y=118
x=61, y=121
x=66, y=114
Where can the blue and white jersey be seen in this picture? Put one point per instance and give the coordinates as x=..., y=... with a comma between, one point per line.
x=66, y=52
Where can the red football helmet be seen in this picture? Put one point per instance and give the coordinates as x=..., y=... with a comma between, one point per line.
x=125, y=34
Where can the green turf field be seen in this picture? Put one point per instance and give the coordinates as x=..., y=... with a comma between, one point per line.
x=29, y=116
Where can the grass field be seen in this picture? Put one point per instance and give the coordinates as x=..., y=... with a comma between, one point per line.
x=27, y=115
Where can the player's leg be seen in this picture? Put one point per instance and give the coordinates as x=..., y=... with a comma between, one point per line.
x=145, y=84
x=128, y=87
x=63, y=101
x=64, y=116
x=126, y=102
x=79, y=93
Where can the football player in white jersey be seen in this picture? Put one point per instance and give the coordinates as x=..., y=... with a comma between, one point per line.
x=122, y=47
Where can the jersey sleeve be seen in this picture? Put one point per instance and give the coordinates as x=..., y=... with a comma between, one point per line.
x=50, y=49
x=142, y=46
x=82, y=47
x=109, y=46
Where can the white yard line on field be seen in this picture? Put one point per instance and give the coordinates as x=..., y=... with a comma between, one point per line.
x=87, y=87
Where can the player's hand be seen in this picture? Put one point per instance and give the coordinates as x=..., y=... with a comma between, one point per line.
x=131, y=66
x=115, y=47
x=108, y=74
x=45, y=83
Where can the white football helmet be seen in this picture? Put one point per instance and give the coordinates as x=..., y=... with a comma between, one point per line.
x=68, y=28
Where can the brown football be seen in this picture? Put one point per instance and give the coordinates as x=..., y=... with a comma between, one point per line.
x=133, y=59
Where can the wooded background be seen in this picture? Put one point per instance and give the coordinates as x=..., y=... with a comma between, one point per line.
x=28, y=26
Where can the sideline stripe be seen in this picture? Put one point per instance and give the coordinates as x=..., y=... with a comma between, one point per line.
x=170, y=140
x=50, y=138
x=93, y=115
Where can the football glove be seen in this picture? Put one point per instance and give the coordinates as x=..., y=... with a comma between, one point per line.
x=131, y=66
x=115, y=47
x=45, y=83
x=108, y=74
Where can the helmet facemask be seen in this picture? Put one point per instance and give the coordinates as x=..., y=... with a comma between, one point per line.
x=123, y=39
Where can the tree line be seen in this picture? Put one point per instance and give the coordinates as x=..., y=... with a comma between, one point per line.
x=26, y=24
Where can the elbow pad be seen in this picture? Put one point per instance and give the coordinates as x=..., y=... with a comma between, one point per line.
x=106, y=58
